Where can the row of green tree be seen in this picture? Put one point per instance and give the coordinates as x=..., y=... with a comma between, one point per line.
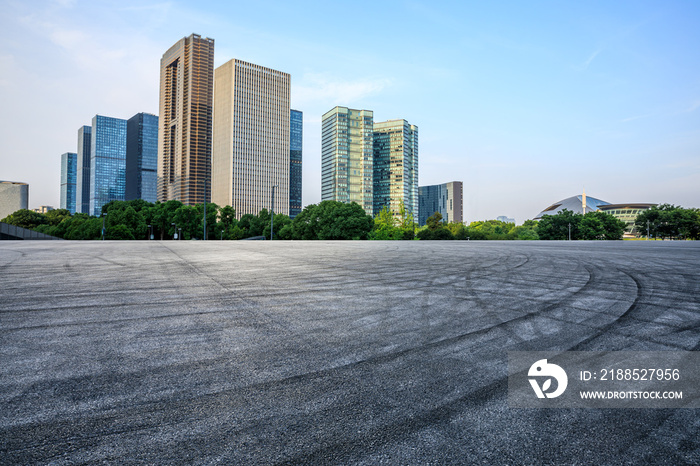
x=331, y=220
x=669, y=221
x=139, y=219
x=571, y=225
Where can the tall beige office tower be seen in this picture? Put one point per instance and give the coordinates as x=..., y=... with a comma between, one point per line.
x=185, y=124
x=251, y=138
x=347, y=156
x=396, y=167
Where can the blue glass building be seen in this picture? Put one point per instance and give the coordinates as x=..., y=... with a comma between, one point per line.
x=69, y=173
x=107, y=162
x=82, y=181
x=296, y=125
x=395, y=171
x=142, y=157
x=443, y=198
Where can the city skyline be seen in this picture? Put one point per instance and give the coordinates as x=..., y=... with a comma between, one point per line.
x=525, y=104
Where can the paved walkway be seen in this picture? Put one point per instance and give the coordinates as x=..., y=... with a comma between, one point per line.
x=329, y=352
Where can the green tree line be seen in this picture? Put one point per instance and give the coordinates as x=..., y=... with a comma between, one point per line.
x=667, y=221
x=331, y=220
x=436, y=229
x=138, y=219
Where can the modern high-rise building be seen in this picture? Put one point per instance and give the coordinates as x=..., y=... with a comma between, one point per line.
x=185, y=131
x=251, y=147
x=347, y=156
x=396, y=167
x=82, y=180
x=14, y=196
x=107, y=162
x=142, y=157
x=443, y=198
x=296, y=132
x=69, y=173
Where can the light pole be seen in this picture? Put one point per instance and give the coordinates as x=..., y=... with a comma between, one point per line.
x=179, y=234
x=413, y=224
x=647, y=230
x=150, y=232
x=205, y=210
x=104, y=216
x=569, y=232
x=272, y=217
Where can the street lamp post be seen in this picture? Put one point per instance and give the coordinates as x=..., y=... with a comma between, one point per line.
x=569, y=232
x=272, y=217
x=222, y=235
x=204, y=235
x=150, y=232
x=104, y=216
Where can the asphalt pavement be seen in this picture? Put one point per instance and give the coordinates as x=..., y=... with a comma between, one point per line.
x=259, y=352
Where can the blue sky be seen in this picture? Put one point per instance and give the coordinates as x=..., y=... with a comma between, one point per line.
x=527, y=103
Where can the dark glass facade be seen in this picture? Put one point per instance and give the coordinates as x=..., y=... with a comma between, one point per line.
x=107, y=162
x=142, y=157
x=347, y=156
x=443, y=198
x=296, y=130
x=395, y=183
x=82, y=182
x=69, y=173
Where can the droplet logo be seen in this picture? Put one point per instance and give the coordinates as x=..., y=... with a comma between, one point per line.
x=547, y=371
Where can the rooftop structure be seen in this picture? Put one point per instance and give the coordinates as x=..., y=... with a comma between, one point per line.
x=580, y=204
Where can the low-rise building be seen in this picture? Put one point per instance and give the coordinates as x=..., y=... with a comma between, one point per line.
x=444, y=198
x=14, y=196
x=628, y=214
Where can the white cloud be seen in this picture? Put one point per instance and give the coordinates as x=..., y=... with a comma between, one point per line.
x=320, y=89
x=8, y=65
x=584, y=66
x=638, y=117
x=66, y=38
x=694, y=106
x=65, y=3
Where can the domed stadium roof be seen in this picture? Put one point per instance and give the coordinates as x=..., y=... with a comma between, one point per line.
x=574, y=204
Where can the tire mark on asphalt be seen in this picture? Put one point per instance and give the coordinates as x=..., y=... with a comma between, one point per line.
x=636, y=312
x=252, y=306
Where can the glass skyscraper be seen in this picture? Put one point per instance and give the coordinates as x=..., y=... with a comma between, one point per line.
x=82, y=180
x=347, y=156
x=107, y=162
x=69, y=173
x=296, y=131
x=185, y=135
x=142, y=157
x=443, y=198
x=396, y=167
x=251, y=144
